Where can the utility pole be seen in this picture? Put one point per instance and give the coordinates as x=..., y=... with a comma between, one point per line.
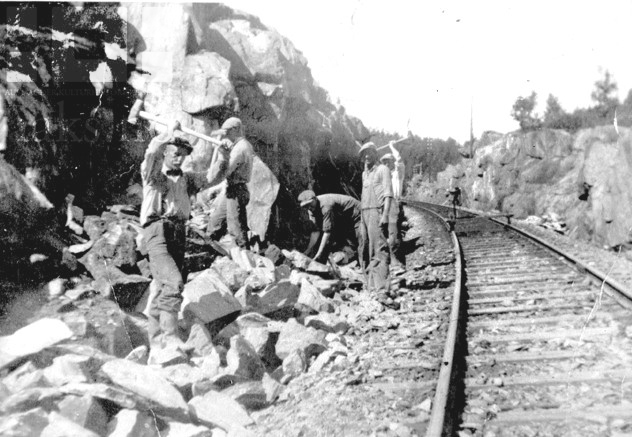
x=472, y=127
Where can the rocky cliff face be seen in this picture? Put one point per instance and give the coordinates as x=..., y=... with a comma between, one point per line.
x=66, y=95
x=205, y=62
x=586, y=178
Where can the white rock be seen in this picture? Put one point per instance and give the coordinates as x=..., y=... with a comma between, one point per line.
x=177, y=429
x=200, y=339
x=217, y=409
x=272, y=388
x=321, y=361
x=231, y=273
x=120, y=397
x=311, y=297
x=242, y=359
x=68, y=369
x=183, y=376
x=132, y=423
x=149, y=384
x=207, y=298
x=277, y=296
x=86, y=411
x=56, y=287
x=210, y=364
x=60, y=426
x=139, y=355
x=32, y=339
x=24, y=377
x=295, y=336
x=294, y=364
x=29, y=423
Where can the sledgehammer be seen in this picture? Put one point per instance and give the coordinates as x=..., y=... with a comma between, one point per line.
x=387, y=144
x=137, y=112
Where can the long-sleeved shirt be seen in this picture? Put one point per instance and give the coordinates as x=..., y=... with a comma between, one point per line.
x=377, y=185
x=165, y=195
x=233, y=164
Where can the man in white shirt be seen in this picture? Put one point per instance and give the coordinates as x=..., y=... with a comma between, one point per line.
x=165, y=209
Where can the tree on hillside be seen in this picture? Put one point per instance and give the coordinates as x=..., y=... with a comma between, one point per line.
x=553, y=110
x=555, y=117
x=624, y=112
x=604, y=96
x=522, y=112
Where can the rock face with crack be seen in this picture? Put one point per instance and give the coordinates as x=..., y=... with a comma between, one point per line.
x=583, y=178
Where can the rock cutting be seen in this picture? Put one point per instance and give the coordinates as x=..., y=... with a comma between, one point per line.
x=196, y=242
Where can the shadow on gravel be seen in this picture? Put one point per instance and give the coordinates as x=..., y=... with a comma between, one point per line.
x=410, y=246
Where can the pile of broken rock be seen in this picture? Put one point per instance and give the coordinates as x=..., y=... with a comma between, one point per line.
x=250, y=324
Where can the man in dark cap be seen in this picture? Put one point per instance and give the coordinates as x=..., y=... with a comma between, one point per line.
x=377, y=194
x=332, y=214
x=164, y=211
x=233, y=163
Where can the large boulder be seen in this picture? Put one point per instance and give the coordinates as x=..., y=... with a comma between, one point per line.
x=61, y=426
x=32, y=339
x=217, y=409
x=86, y=411
x=149, y=385
x=281, y=295
x=242, y=359
x=208, y=298
x=294, y=336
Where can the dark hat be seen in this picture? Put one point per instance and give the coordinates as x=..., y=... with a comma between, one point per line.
x=306, y=197
x=367, y=146
x=231, y=123
x=181, y=142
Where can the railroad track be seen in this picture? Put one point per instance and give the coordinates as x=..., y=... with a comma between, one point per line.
x=537, y=342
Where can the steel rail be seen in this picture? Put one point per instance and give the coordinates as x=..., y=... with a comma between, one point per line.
x=615, y=285
x=437, y=422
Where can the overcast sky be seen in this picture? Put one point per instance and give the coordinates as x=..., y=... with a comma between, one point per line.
x=398, y=63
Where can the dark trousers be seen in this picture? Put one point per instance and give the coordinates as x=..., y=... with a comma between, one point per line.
x=349, y=242
x=395, y=233
x=376, y=265
x=165, y=241
x=230, y=213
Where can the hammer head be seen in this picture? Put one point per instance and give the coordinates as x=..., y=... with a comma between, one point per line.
x=136, y=108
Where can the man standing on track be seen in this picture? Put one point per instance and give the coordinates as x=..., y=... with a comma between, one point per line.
x=377, y=195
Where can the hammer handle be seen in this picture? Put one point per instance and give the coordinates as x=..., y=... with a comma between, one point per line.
x=394, y=142
x=186, y=130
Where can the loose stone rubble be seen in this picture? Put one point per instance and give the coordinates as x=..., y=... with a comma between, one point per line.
x=251, y=326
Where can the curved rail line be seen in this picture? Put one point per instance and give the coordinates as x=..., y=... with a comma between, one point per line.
x=542, y=351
